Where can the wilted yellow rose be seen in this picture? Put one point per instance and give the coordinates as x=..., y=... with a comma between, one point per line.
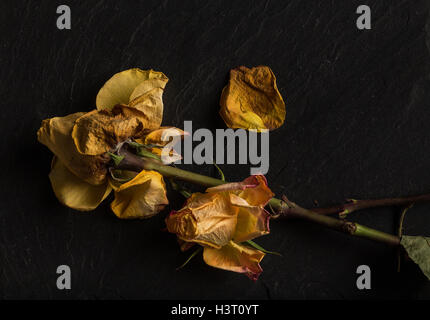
x=251, y=100
x=222, y=219
x=79, y=174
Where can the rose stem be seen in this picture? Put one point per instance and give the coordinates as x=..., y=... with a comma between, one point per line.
x=354, y=205
x=285, y=208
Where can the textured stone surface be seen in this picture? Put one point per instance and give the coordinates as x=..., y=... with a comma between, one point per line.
x=357, y=126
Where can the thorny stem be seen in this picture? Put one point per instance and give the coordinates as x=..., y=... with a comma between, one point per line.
x=287, y=208
x=354, y=205
x=284, y=208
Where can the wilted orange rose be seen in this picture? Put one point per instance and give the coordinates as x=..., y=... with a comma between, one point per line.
x=222, y=219
x=128, y=106
x=251, y=100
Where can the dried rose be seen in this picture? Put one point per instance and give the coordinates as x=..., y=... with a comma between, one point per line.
x=128, y=106
x=221, y=219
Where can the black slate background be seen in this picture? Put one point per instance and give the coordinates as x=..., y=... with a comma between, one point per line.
x=357, y=126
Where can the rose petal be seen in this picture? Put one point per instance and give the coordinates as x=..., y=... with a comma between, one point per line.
x=119, y=88
x=156, y=80
x=207, y=219
x=235, y=257
x=73, y=191
x=148, y=98
x=142, y=197
x=55, y=133
x=151, y=105
x=172, y=156
x=182, y=223
x=252, y=221
x=251, y=100
x=99, y=131
x=162, y=135
x=253, y=189
x=260, y=194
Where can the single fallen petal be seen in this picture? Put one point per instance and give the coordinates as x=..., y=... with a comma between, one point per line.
x=56, y=134
x=207, y=219
x=235, y=257
x=73, y=191
x=142, y=197
x=251, y=100
x=119, y=88
x=252, y=221
x=99, y=131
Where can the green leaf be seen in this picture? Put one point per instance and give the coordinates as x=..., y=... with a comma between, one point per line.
x=258, y=247
x=220, y=172
x=190, y=257
x=418, y=249
x=116, y=158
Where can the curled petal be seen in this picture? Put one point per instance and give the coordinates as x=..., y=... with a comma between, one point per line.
x=182, y=223
x=148, y=98
x=235, y=257
x=208, y=219
x=119, y=88
x=252, y=221
x=253, y=189
x=99, y=131
x=159, y=138
x=251, y=100
x=260, y=194
x=142, y=197
x=163, y=135
x=55, y=133
x=166, y=157
x=151, y=105
x=73, y=191
x=156, y=80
